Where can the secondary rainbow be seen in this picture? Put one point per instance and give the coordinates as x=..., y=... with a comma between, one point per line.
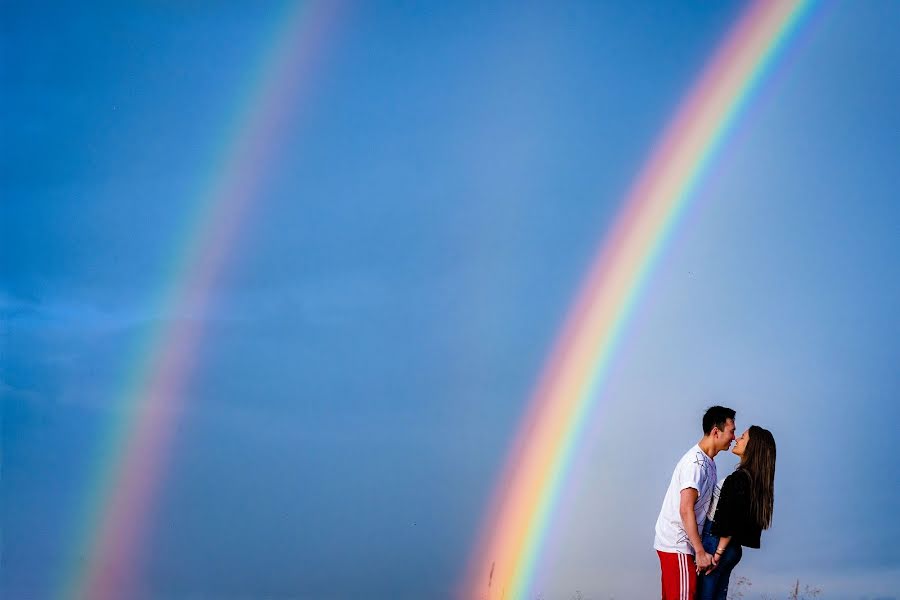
x=131, y=459
x=503, y=562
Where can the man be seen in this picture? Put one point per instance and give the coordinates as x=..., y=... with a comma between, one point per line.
x=684, y=508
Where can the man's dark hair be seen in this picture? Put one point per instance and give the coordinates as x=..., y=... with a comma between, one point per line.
x=715, y=417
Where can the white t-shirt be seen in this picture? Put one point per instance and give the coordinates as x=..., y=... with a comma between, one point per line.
x=694, y=470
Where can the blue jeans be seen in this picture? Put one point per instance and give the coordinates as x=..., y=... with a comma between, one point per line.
x=715, y=585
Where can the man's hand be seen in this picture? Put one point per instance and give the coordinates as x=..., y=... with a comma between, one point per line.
x=703, y=559
x=715, y=563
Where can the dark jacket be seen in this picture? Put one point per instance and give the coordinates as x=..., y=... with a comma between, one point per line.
x=733, y=513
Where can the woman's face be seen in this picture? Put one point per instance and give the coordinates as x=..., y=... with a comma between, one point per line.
x=741, y=444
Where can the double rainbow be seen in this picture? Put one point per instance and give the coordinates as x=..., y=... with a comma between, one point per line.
x=132, y=457
x=504, y=559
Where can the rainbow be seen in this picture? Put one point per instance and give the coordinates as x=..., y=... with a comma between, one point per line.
x=503, y=562
x=132, y=456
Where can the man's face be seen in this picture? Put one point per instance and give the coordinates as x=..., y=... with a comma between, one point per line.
x=724, y=437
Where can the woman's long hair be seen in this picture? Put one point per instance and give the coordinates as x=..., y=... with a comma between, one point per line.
x=758, y=462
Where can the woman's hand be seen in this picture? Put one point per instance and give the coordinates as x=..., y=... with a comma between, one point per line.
x=712, y=567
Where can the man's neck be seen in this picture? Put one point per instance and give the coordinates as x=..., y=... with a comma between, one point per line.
x=709, y=449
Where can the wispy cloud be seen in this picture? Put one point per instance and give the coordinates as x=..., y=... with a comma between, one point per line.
x=325, y=301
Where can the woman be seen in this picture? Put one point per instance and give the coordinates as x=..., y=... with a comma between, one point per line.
x=743, y=510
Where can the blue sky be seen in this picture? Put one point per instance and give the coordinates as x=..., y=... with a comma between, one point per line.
x=433, y=203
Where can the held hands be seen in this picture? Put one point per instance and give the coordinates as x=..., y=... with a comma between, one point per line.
x=706, y=562
x=703, y=560
x=715, y=563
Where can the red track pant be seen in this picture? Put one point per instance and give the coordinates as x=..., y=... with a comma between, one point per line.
x=679, y=575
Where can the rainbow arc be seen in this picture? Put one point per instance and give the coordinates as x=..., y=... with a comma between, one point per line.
x=132, y=458
x=504, y=559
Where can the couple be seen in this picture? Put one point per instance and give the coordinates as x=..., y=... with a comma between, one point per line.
x=701, y=527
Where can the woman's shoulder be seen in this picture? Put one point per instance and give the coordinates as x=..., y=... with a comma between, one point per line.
x=738, y=479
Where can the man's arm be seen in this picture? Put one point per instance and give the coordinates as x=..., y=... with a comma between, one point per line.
x=689, y=521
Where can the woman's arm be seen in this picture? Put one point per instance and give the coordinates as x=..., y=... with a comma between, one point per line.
x=723, y=544
x=720, y=550
x=732, y=503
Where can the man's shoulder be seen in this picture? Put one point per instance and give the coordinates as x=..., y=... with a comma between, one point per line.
x=696, y=459
x=694, y=456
